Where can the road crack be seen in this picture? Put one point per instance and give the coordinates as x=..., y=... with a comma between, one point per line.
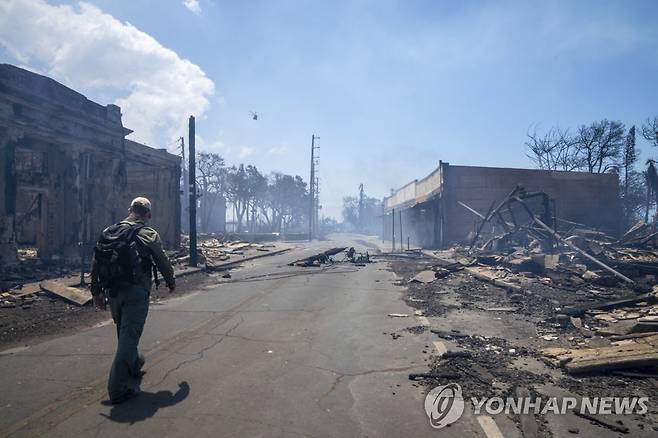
x=199, y=354
x=340, y=376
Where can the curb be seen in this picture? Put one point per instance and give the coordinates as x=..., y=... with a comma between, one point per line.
x=227, y=265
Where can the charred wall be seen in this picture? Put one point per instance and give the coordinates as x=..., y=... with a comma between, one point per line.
x=421, y=225
x=155, y=174
x=431, y=216
x=591, y=199
x=68, y=171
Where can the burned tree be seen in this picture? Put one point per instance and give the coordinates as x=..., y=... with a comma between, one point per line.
x=244, y=185
x=651, y=180
x=553, y=150
x=285, y=201
x=595, y=148
x=629, y=157
x=257, y=189
x=599, y=145
x=632, y=183
x=650, y=130
x=362, y=213
x=211, y=181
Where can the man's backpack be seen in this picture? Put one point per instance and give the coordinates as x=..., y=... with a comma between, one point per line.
x=119, y=256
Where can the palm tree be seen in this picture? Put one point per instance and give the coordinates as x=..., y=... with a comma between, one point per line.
x=651, y=178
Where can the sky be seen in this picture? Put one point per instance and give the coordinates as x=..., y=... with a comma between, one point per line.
x=390, y=86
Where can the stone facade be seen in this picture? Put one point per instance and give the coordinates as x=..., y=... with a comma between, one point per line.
x=68, y=171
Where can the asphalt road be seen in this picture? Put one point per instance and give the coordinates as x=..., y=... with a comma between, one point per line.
x=273, y=351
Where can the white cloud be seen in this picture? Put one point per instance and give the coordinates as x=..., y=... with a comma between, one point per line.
x=245, y=151
x=193, y=5
x=278, y=150
x=94, y=53
x=217, y=146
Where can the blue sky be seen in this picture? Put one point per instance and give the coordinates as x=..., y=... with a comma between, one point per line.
x=391, y=87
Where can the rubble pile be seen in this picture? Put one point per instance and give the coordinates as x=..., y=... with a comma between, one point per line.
x=33, y=269
x=38, y=297
x=532, y=301
x=590, y=284
x=484, y=364
x=212, y=249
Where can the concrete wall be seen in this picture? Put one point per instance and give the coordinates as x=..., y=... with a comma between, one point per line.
x=403, y=195
x=433, y=218
x=430, y=185
x=591, y=199
x=416, y=191
x=155, y=174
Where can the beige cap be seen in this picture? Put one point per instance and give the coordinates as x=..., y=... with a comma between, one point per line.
x=141, y=202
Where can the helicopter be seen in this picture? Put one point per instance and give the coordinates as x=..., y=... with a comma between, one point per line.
x=254, y=115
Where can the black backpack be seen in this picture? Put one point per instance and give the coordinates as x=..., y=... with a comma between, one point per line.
x=119, y=255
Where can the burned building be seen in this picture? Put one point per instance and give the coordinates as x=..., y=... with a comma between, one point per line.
x=432, y=212
x=67, y=170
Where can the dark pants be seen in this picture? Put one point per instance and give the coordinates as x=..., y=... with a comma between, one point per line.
x=129, y=309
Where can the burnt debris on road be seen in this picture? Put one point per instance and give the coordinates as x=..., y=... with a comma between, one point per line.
x=319, y=278
x=521, y=305
x=43, y=298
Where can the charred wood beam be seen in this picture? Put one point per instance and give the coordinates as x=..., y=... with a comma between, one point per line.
x=482, y=224
x=583, y=253
x=323, y=256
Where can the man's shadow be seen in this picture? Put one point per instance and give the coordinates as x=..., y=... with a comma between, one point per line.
x=146, y=404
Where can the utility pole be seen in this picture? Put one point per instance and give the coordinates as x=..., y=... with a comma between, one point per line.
x=361, y=208
x=312, y=213
x=192, y=194
x=316, y=218
x=316, y=165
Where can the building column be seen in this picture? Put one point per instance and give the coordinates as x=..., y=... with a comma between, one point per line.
x=8, y=247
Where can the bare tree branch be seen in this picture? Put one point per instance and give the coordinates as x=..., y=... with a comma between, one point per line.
x=650, y=130
x=553, y=150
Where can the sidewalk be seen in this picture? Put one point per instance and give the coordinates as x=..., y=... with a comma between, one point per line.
x=59, y=305
x=69, y=287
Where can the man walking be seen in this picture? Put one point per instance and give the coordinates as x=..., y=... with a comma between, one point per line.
x=125, y=256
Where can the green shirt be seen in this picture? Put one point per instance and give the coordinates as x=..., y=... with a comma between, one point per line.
x=151, y=240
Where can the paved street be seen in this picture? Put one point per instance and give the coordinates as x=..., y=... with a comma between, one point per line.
x=273, y=351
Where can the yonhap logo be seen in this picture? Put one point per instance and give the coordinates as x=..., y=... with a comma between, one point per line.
x=444, y=405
